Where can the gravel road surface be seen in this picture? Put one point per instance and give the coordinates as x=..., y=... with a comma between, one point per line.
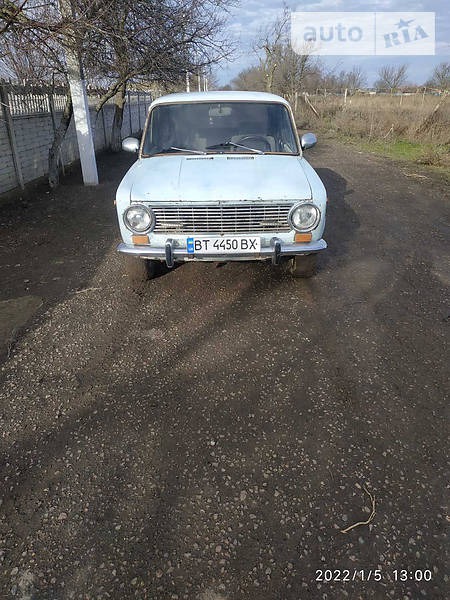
x=210, y=436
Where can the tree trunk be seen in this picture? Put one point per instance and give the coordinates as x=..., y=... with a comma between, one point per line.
x=116, y=133
x=53, y=153
x=270, y=77
x=110, y=92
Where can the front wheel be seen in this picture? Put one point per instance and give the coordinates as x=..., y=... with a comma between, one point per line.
x=304, y=266
x=140, y=270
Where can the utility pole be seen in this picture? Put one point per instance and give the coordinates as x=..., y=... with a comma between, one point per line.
x=81, y=115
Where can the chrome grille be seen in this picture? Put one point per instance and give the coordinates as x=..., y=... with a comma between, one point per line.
x=237, y=219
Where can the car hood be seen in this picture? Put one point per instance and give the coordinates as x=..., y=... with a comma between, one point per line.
x=222, y=177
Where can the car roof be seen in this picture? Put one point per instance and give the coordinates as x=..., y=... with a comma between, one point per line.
x=219, y=96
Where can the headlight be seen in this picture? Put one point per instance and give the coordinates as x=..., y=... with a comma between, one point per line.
x=138, y=218
x=304, y=217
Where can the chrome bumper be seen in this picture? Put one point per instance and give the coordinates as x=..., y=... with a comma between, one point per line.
x=171, y=254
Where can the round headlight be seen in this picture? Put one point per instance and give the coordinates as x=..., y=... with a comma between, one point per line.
x=304, y=217
x=138, y=218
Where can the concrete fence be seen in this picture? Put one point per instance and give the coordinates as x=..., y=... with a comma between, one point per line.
x=28, y=120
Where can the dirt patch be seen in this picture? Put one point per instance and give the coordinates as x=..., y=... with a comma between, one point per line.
x=52, y=242
x=211, y=436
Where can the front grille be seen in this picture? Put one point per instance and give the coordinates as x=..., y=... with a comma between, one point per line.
x=237, y=219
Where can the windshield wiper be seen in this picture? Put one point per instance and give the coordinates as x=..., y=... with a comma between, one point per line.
x=185, y=150
x=230, y=143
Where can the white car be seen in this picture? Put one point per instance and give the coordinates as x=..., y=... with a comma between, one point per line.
x=220, y=176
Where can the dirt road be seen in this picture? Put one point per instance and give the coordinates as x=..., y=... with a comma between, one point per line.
x=210, y=437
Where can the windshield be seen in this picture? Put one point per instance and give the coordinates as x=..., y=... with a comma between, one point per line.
x=225, y=127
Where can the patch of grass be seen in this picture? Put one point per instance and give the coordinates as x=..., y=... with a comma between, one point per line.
x=436, y=156
x=398, y=149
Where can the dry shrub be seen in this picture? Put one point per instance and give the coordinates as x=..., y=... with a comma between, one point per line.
x=411, y=118
x=438, y=156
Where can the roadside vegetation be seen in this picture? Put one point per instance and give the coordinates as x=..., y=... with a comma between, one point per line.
x=413, y=127
x=394, y=118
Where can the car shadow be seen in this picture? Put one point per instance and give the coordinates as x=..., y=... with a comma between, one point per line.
x=342, y=221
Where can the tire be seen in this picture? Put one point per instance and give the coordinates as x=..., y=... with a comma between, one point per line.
x=140, y=270
x=304, y=266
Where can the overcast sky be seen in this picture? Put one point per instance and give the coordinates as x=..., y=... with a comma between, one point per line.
x=253, y=15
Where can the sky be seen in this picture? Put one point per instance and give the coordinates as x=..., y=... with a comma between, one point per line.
x=252, y=16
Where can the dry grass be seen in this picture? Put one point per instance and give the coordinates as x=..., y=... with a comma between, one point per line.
x=415, y=127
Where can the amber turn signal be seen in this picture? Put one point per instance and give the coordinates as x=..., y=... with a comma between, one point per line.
x=303, y=237
x=139, y=239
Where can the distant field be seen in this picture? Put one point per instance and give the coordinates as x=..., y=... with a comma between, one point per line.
x=415, y=127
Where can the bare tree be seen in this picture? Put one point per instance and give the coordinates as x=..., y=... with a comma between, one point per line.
x=391, y=78
x=41, y=24
x=27, y=67
x=118, y=42
x=269, y=47
x=355, y=79
x=41, y=31
x=441, y=77
x=344, y=80
x=283, y=70
x=31, y=36
x=154, y=42
x=252, y=79
x=9, y=15
x=292, y=73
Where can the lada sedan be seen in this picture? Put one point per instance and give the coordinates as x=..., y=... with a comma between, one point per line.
x=220, y=176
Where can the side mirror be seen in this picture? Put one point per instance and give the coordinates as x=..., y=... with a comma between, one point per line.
x=308, y=140
x=130, y=144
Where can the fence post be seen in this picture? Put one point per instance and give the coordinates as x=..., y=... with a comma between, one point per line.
x=129, y=112
x=11, y=135
x=139, y=110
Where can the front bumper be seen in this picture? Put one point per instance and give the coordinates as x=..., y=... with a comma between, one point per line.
x=170, y=254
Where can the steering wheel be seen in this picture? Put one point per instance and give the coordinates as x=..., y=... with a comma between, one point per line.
x=257, y=137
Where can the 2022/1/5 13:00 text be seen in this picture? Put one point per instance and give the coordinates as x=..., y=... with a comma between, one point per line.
x=376, y=575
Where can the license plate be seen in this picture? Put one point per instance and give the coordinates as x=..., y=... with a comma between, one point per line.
x=223, y=245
